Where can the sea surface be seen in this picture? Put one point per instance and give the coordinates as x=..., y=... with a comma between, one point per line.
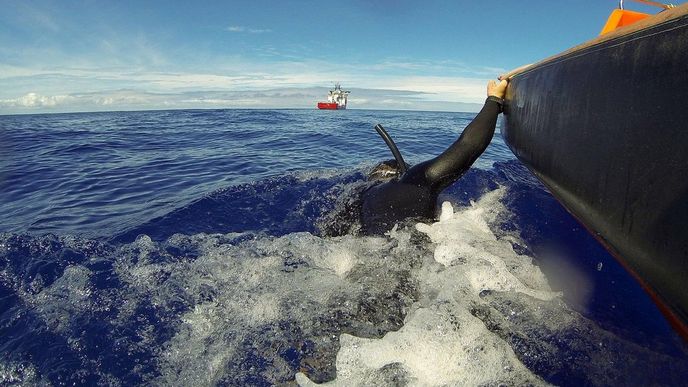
x=186, y=248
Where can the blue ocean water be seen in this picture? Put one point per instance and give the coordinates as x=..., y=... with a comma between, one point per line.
x=185, y=248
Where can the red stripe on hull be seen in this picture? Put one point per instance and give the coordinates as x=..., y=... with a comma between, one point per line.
x=328, y=105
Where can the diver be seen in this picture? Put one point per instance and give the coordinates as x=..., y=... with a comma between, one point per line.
x=400, y=192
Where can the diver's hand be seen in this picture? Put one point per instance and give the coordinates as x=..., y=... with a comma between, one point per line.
x=495, y=89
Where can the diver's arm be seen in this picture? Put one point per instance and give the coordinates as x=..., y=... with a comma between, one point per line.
x=444, y=169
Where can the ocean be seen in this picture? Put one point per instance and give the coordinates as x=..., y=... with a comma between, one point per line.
x=185, y=248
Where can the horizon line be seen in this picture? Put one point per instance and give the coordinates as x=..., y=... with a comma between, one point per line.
x=233, y=108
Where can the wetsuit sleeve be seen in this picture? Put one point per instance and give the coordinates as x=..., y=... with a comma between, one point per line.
x=444, y=169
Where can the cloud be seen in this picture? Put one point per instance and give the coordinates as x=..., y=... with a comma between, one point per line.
x=34, y=100
x=435, y=67
x=248, y=30
x=109, y=100
x=272, y=98
x=238, y=82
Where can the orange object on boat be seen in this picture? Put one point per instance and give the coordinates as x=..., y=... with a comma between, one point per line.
x=620, y=18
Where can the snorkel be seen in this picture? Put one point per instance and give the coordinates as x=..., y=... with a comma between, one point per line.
x=392, y=147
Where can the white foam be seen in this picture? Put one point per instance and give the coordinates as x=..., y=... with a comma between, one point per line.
x=441, y=342
x=465, y=238
x=254, y=290
x=413, y=313
x=20, y=374
x=438, y=345
x=67, y=297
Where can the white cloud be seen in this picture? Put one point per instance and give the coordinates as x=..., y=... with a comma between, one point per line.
x=445, y=88
x=248, y=30
x=274, y=98
x=34, y=100
x=241, y=83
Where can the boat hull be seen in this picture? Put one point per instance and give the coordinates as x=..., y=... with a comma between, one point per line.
x=330, y=106
x=605, y=128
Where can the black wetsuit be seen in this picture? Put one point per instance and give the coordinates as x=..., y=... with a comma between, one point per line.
x=415, y=193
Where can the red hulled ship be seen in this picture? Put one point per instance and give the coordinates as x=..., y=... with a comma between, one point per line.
x=336, y=99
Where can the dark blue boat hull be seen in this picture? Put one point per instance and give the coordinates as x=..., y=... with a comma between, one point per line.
x=605, y=127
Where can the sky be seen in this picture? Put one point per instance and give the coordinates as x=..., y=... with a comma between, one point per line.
x=68, y=56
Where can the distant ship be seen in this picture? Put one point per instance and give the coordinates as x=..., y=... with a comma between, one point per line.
x=336, y=99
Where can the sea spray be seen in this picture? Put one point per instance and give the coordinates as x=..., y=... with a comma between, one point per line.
x=453, y=303
x=486, y=315
x=442, y=342
x=263, y=306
